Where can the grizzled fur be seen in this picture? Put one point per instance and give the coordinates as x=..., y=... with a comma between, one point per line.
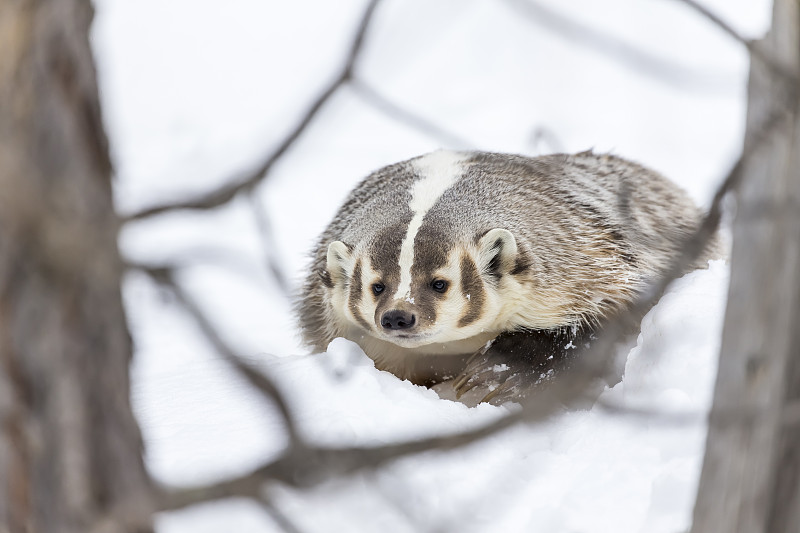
x=518, y=244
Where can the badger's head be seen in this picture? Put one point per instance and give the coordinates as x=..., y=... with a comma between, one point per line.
x=428, y=290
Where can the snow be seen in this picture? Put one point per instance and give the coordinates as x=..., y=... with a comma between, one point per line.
x=196, y=91
x=593, y=470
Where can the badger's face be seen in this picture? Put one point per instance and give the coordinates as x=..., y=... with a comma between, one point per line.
x=423, y=294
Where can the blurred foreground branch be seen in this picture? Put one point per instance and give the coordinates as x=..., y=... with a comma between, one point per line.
x=418, y=122
x=768, y=58
x=248, y=180
x=165, y=276
x=638, y=60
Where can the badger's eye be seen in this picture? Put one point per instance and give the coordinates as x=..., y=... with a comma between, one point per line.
x=439, y=285
x=377, y=288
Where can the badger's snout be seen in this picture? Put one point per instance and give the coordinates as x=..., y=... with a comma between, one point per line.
x=396, y=319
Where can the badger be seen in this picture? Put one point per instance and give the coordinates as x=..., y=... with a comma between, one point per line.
x=433, y=260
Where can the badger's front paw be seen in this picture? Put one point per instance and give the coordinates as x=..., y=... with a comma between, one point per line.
x=515, y=364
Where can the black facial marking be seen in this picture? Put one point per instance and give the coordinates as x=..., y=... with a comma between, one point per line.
x=431, y=248
x=472, y=290
x=521, y=264
x=355, y=296
x=355, y=285
x=385, y=251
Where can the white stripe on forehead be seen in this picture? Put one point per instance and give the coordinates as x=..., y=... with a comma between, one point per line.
x=437, y=172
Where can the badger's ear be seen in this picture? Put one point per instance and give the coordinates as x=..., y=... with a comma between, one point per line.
x=338, y=261
x=497, y=252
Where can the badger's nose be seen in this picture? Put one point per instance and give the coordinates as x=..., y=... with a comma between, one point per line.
x=397, y=319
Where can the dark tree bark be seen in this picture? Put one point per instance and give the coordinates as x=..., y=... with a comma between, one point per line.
x=70, y=449
x=750, y=480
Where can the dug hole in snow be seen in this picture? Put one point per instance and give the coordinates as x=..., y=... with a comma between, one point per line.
x=595, y=470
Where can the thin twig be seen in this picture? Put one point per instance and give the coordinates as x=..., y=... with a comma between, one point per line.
x=248, y=180
x=789, y=77
x=307, y=466
x=262, y=383
x=651, y=413
x=722, y=414
x=278, y=516
x=724, y=26
x=612, y=47
x=227, y=258
x=545, y=136
x=418, y=122
x=270, y=255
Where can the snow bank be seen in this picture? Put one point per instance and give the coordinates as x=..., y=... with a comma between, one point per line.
x=597, y=470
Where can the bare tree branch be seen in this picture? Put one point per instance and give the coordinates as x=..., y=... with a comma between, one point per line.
x=307, y=466
x=613, y=47
x=722, y=415
x=278, y=516
x=262, y=383
x=418, y=122
x=791, y=78
x=227, y=258
x=270, y=257
x=250, y=179
x=544, y=136
x=648, y=413
x=721, y=24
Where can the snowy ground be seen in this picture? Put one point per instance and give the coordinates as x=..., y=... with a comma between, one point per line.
x=197, y=90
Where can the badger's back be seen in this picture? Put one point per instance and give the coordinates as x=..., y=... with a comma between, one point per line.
x=595, y=228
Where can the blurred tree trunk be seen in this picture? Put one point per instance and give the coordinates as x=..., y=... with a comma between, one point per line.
x=70, y=449
x=751, y=474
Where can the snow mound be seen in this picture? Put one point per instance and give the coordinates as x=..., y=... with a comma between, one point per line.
x=597, y=470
